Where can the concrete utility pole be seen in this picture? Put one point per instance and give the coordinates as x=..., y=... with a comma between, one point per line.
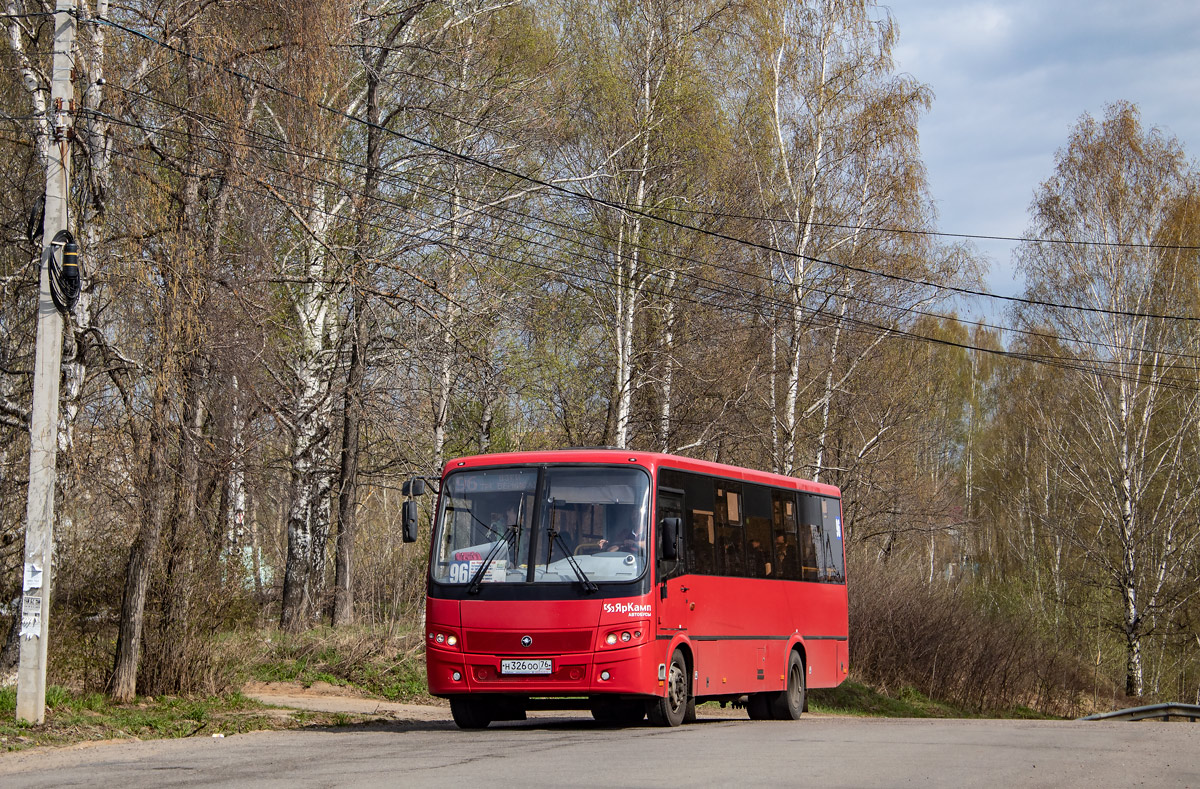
x=43, y=431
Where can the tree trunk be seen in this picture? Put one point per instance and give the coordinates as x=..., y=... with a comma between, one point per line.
x=142, y=554
x=343, y=586
x=352, y=401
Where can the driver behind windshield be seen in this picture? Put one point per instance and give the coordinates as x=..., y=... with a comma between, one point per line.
x=630, y=540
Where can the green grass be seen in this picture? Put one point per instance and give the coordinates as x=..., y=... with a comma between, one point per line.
x=856, y=698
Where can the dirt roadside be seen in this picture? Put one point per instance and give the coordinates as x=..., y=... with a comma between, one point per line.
x=323, y=697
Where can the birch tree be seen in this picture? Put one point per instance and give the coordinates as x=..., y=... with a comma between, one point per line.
x=833, y=134
x=637, y=79
x=1129, y=422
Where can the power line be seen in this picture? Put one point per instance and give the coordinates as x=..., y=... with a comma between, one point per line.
x=716, y=287
x=558, y=187
x=944, y=234
x=850, y=323
x=288, y=149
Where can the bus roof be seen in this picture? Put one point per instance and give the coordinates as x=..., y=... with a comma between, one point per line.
x=650, y=460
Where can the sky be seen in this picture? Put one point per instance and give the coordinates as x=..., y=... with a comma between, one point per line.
x=1012, y=77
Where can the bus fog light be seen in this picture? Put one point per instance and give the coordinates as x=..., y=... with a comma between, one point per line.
x=625, y=636
x=604, y=675
x=610, y=639
x=457, y=675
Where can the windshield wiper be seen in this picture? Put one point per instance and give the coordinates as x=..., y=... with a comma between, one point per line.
x=477, y=579
x=589, y=585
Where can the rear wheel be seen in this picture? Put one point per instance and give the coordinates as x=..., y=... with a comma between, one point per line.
x=788, y=704
x=671, y=709
x=470, y=713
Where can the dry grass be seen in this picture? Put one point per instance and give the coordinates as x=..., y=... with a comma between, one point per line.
x=947, y=645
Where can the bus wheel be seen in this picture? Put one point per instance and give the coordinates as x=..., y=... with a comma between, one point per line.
x=671, y=709
x=787, y=705
x=470, y=713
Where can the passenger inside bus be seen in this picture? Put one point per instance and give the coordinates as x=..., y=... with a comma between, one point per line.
x=757, y=565
x=786, y=564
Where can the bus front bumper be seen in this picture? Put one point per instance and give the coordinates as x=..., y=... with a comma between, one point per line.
x=631, y=671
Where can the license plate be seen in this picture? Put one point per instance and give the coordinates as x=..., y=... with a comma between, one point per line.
x=541, y=666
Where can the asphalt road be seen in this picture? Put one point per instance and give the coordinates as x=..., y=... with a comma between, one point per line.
x=564, y=751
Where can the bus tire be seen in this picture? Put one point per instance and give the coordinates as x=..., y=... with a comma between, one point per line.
x=671, y=709
x=787, y=705
x=470, y=713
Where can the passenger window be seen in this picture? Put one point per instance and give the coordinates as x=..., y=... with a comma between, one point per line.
x=758, y=530
x=785, y=557
x=832, y=558
x=730, y=546
x=699, y=528
x=810, y=536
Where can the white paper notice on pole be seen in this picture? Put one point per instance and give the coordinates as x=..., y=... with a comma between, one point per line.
x=33, y=576
x=31, y=617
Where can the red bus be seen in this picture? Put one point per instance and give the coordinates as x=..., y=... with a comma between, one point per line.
x=631, y=584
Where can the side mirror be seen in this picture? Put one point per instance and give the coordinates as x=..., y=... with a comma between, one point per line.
x=408, y=521
x=668, y=535
x=413, y=487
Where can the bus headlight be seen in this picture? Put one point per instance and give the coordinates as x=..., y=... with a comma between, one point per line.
x=440, y=638
x=629, y=635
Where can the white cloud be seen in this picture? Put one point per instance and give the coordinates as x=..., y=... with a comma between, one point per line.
x=1012, y=78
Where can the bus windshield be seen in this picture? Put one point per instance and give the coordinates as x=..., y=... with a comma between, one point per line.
x=592, y=523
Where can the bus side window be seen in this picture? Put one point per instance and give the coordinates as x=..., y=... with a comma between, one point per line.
x=832, y=558
x=731, y=543
x=699, y=529
x=785, y=558
x=758, y=530
x=810, y=536
x=671, y=505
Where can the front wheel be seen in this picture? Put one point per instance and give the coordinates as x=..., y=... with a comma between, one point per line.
x=470, y=713
x=671, y=709
x=788, y=704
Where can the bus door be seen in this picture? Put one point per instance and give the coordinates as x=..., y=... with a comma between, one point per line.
x=672, y=590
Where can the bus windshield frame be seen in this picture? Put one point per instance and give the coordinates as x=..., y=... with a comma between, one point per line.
x=553, y=530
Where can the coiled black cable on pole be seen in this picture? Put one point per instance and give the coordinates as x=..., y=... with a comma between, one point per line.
x=65, y=279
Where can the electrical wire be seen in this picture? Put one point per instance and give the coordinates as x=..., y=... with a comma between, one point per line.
x=636, y=211
x=892, y=330
x=854, y=297
x=718, y=298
